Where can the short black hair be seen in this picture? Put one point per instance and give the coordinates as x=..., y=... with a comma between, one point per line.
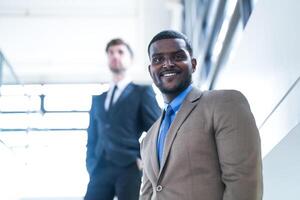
x=171, y=34
x=118, y=41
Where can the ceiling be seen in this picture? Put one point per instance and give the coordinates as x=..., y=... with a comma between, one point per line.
x=63, y=41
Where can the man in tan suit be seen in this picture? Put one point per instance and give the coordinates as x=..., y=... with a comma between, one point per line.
x=206, y=145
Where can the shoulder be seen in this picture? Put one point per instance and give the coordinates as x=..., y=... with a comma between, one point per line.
x=228, y=102
x=141, y=86
x=143, y=89
x=223, y=96
x=98, y=98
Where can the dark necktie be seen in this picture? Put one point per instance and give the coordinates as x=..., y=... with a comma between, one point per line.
x=112, y=96
x=165, y=125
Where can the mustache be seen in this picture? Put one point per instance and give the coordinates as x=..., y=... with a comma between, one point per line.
x=170, y=70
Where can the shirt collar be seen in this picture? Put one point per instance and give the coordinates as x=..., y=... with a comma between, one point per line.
x=121, y=84
x=176, y=103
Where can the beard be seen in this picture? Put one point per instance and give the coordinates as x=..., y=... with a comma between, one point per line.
x=177, y=89
x=117, y=69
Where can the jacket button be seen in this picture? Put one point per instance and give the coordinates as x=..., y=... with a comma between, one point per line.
x=158, y=188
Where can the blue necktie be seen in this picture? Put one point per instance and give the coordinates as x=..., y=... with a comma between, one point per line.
x=165, y=125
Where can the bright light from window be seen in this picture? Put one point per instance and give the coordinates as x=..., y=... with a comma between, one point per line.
x=40, y=160
x=68, y=102
x=158, y=96
x=12, y=90
x=57, y=159
x=224, y=29
x=19, y=103
x=221, y=38
x=14, y=139
x=9, y=173
x=254, y=2
x=60, y=120
x=79, y=89
x=51, y=163
x=75, y=89
x=34, y=90
x=14, y=121
x=236, y=40
x=230, y=7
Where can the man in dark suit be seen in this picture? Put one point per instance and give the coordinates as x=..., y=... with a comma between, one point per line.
x=117, y=119
x=206, y=144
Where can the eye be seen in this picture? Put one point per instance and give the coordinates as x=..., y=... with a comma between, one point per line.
x=180, y=56
x=110, y=52
x=157, y=60
x=121, y=52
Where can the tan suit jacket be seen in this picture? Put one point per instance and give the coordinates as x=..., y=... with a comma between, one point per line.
x=212, y=151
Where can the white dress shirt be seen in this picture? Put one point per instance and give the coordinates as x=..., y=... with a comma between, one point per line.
x=120, y=88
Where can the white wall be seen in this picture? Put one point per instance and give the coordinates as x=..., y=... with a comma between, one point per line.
x=266, y=68
x=281, y=169
x=64, y=41
x=158, y=15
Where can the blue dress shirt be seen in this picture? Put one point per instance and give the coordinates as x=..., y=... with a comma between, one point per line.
x=175, y=106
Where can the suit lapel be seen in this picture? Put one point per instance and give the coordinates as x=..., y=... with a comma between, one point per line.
x=100, y=107
x=186, y=108
x=154, y=134
x=129, y=88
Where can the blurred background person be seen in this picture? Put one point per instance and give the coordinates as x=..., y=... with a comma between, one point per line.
x=117, y=120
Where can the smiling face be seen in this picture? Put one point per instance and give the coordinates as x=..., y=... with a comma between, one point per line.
x=171, y=66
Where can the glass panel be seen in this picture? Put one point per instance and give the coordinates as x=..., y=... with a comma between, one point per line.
x=9, y=173
x=60, y=120
x=14, y=121
x=68, y=102
x=12, y=90
x=14, y=139
x=19, y=103
x=48, y=159
x=7, y=74
x=230, y=6
x=56, y=160
x=75, y=89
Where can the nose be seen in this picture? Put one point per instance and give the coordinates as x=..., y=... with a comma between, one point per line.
x=115, y=55
x=168, y=62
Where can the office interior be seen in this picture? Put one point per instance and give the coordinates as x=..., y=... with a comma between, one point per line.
x=52, y=60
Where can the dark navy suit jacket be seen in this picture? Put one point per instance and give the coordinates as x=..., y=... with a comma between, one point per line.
x=115, y=132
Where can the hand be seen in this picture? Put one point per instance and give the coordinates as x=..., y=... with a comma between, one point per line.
x=139, y=164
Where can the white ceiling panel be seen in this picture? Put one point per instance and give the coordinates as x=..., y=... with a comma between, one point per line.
x=45, y=46
x=69, y=7
x=55, y=41
x=63, y=41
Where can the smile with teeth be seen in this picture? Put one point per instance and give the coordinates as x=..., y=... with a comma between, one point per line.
x=169, y=74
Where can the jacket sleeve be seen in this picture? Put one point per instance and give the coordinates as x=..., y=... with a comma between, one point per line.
x=150, y=110
x=238, y=146
x=91, y=140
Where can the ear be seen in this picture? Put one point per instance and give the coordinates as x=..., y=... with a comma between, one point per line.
x=149, y=70
x=194, y=64
x=131, y=61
